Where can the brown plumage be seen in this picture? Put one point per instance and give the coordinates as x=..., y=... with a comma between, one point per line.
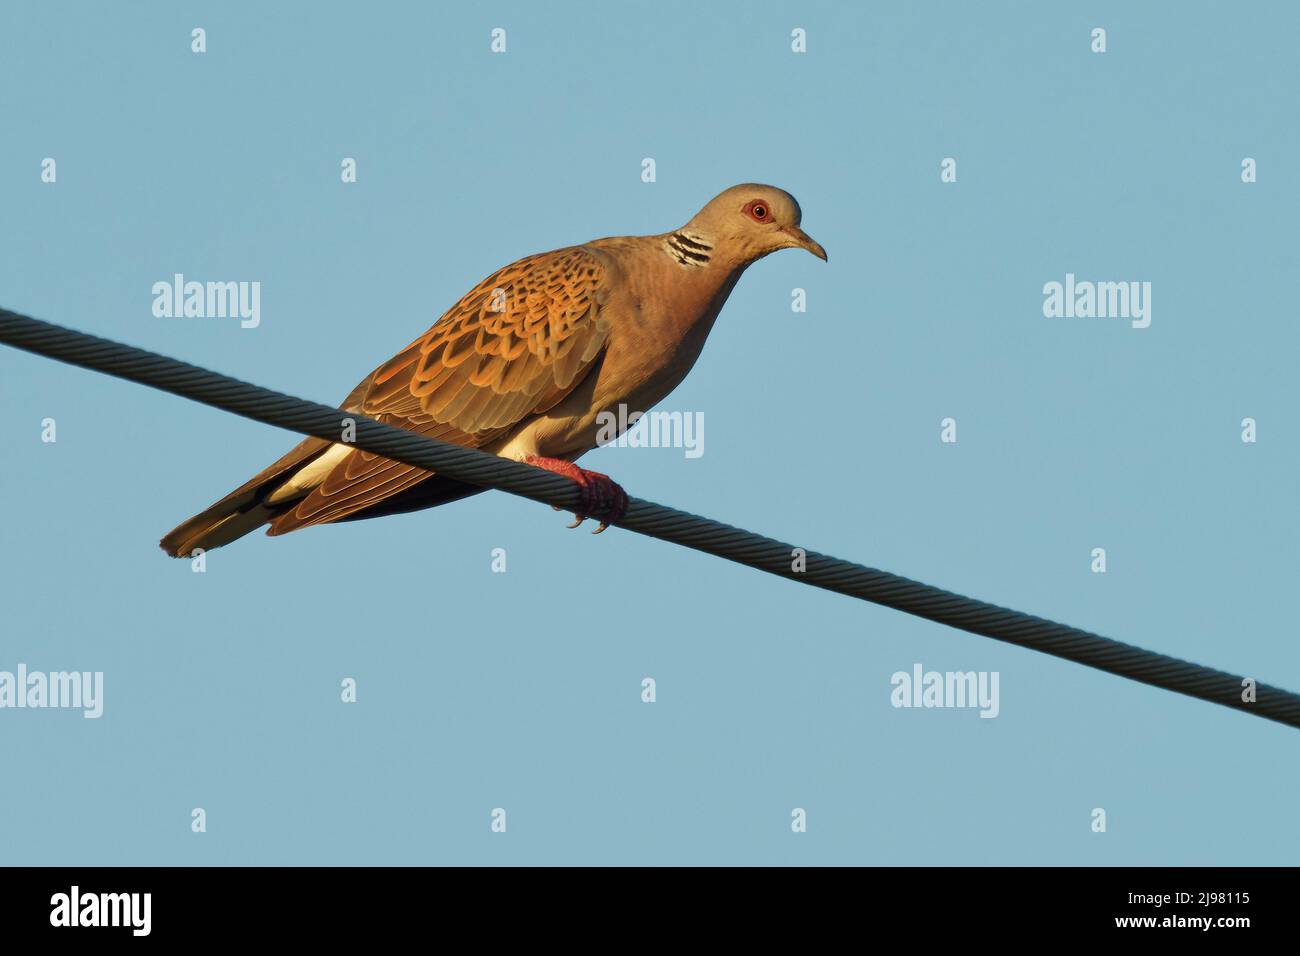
x=521, y=366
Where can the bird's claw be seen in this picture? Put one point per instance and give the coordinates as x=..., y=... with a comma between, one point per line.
x=599, y=497
x=579, y=519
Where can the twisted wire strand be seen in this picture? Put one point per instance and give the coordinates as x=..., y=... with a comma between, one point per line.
x=647, y=517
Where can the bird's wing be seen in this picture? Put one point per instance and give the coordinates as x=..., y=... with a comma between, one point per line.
x=514, y=346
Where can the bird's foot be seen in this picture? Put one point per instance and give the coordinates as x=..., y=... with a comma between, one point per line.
x=600, y=497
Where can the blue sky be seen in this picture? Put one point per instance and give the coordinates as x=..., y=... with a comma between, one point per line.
x=522, y=690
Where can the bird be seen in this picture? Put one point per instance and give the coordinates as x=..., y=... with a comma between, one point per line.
x=522, y=367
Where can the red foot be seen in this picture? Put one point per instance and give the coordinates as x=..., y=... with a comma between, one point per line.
x=599, y=496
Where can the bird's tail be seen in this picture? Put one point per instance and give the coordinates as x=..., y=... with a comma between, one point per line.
x=243, y=510
x=218, y=525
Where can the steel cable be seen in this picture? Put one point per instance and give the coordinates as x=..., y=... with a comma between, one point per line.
x=647, y=517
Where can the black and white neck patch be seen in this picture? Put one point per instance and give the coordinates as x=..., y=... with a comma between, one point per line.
x=687, y=248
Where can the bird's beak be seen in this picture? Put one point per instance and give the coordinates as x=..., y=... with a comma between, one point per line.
x=805, y=241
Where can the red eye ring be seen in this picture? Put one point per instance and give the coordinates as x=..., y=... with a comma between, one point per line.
x=758, y=210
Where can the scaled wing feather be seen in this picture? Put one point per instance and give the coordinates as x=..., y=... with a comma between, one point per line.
x=511, y=348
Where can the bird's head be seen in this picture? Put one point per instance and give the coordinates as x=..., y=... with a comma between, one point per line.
x=749, y=221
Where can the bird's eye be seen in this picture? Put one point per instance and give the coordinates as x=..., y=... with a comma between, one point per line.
x=758, y=210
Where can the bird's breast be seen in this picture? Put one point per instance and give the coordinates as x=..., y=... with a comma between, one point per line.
x=658, y=327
